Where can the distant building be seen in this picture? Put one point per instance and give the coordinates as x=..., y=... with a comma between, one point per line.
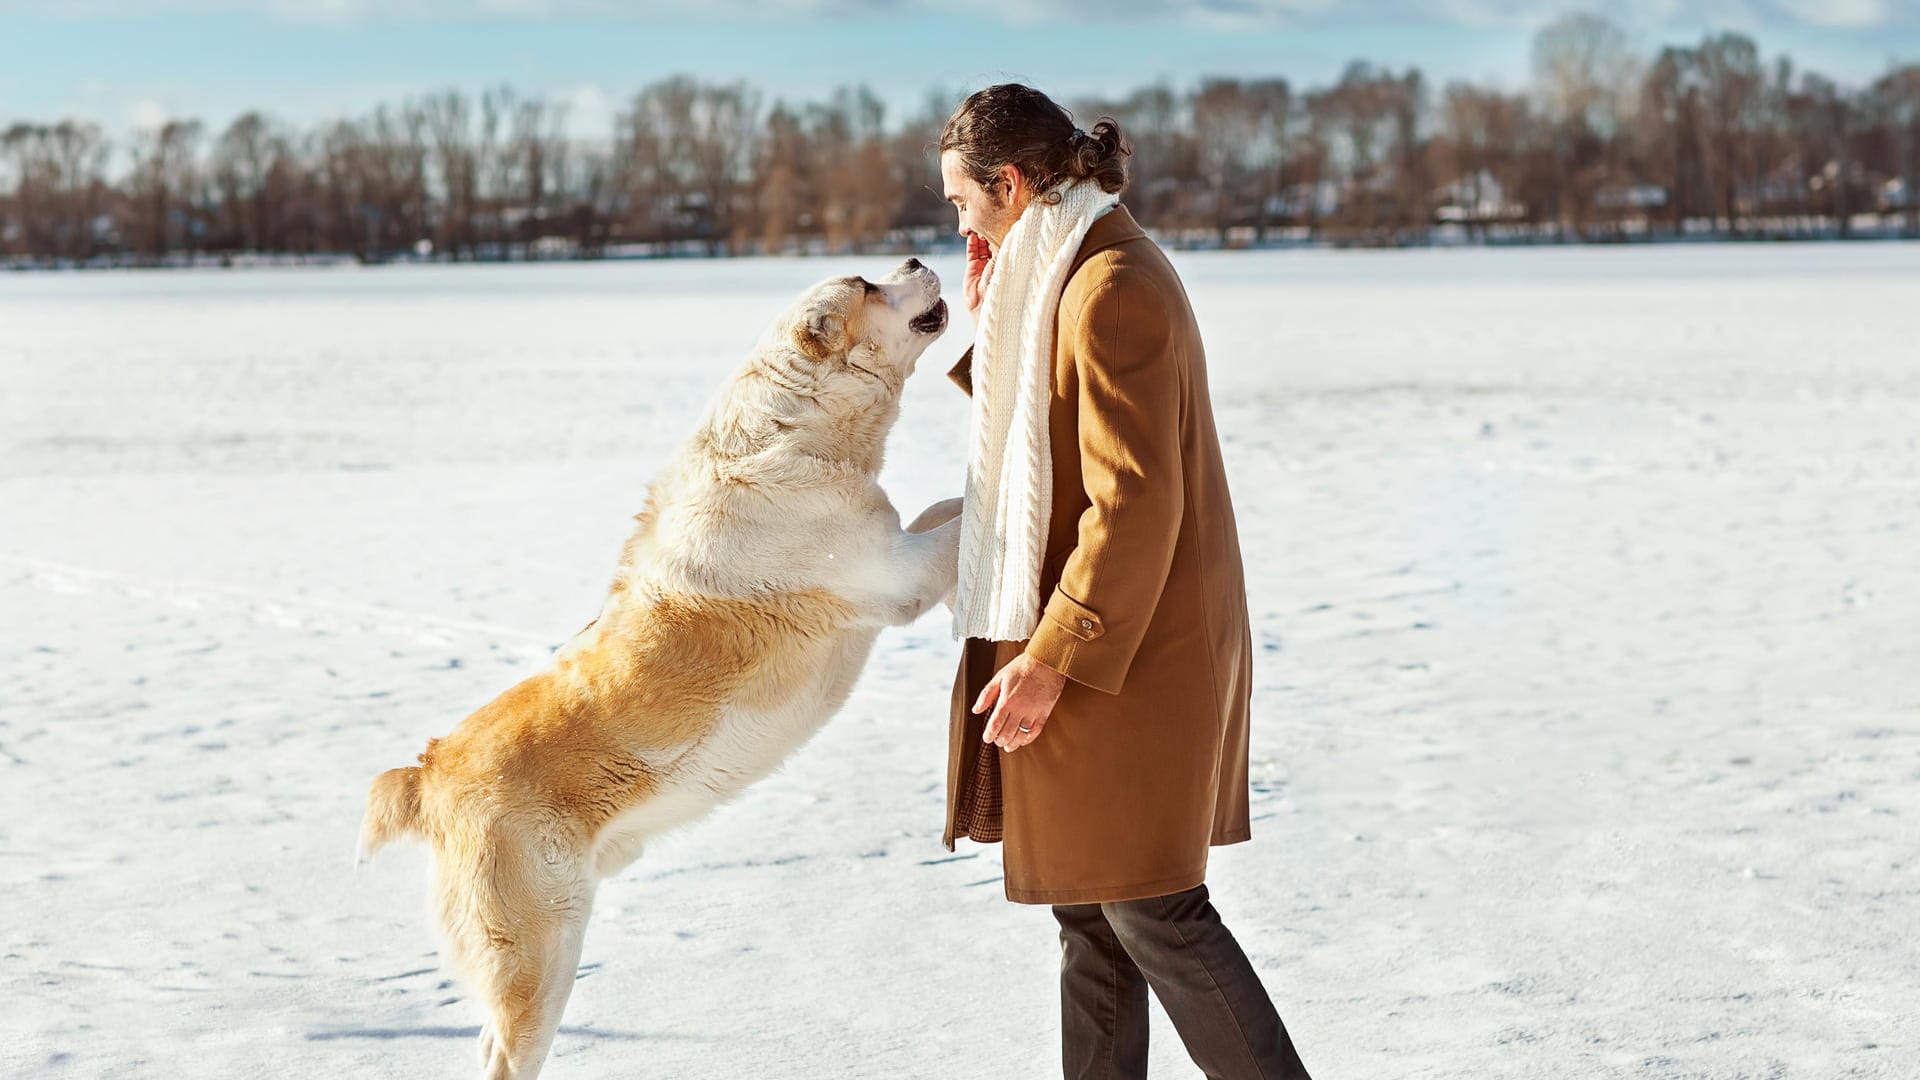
x=1477, y=198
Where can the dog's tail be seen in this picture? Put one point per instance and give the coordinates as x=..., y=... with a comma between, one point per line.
x=393, y=810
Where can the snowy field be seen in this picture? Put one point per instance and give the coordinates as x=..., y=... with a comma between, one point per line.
x=1587, y=737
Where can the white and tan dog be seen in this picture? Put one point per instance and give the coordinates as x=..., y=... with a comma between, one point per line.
x=766, y=562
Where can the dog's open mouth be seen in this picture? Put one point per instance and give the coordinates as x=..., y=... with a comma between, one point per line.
x=931, y=321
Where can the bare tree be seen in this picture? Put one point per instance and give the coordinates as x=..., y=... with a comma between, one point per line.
x=858, y=195
x=1707, y=137
x=1582, y=69
x=781, y=170
x=1407, y=106
x=59, y=187
x=597, y=200
x=1823, y=119
x=1481, y=150
x=1671, y=115
x=1271, y=103
x=166, y=188
x=453, y=171
x=914, y=149
x=719, y=145
x=1731, y=84
x=1896, y=101
x=1371, y=120
x=532, y=166
x=243, y=158
x=644, y=171
x=1165, y=158
x=1224, y=124
x=395, y=185
x=27, y=157
x=341, y=211
x=687, y=152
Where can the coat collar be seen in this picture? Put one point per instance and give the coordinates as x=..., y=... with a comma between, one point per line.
x=1113, y=228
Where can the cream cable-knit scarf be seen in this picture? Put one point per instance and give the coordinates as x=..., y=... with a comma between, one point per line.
x=1009, y=491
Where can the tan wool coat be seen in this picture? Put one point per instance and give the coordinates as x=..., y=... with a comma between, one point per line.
x=1142, y=765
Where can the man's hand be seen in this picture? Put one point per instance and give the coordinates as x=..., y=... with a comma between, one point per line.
x=1022, y=695
x=979, y=271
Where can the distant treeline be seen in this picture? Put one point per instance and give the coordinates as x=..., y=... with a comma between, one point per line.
x=1708, y=139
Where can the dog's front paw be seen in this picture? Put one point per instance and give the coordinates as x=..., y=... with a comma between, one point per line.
x=948, y=584
x=937, y=515
x=949, y=535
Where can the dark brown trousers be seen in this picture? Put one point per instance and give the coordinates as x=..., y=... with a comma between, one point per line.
x=1111, y=955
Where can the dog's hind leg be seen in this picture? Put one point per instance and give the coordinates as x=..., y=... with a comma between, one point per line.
x=527, y=1004
x=514, y=916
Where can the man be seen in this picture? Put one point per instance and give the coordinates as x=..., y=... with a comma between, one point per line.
x=1099, y=716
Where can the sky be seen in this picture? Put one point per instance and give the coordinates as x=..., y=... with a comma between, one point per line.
x=128, y=63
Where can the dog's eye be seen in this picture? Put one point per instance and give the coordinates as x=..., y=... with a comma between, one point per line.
x=870, y=286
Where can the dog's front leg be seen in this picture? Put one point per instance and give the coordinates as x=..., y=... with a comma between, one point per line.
x=923, y=565
x=937, y=515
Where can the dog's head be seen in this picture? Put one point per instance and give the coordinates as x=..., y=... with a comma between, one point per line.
x=826, y=379
x=847, y=330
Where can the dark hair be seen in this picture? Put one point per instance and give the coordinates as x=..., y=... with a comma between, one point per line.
x=1011, y=124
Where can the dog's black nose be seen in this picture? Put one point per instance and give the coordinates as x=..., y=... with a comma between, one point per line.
x=915, y=264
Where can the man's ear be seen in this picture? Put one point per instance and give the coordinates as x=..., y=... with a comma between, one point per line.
x=1014, y=179
x=822, y=334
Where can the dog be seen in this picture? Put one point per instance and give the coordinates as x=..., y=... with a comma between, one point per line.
x=765, y=563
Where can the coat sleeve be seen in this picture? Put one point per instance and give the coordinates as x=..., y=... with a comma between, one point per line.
x=1130, y=395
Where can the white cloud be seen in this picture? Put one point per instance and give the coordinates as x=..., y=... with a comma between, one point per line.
x=147, y=115
x=1846, y=14
x=590, y=111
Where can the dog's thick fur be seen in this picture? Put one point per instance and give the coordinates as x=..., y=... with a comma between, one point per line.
x=765, y=563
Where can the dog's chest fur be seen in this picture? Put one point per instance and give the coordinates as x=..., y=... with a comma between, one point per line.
x=748, y=738
x=733, y=634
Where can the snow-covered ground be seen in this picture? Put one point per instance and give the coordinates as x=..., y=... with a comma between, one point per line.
x=1587, y=738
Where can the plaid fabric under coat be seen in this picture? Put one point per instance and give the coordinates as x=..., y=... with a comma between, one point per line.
x=977, y=810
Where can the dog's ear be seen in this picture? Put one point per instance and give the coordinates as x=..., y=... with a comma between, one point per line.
x=821, y=335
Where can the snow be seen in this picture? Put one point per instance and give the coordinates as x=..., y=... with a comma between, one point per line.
x=1587, y=736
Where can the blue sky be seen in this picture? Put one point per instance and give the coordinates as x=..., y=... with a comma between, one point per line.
x=122, y=62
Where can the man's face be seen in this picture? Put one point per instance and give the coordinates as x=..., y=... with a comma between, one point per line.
x=989, y=214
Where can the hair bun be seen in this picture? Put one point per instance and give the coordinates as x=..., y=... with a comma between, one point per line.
x=1011, y=124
